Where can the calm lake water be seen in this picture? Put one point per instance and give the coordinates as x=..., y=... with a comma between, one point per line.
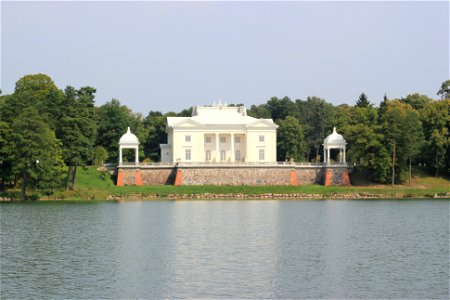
x=226, y=249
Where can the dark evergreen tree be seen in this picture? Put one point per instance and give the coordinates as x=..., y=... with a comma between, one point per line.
x=362, y=101
x=77, y=130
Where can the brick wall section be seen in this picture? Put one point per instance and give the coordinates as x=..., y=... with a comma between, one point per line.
x=155, y=176
x=120, y=181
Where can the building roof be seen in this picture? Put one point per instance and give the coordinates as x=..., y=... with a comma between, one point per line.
x=128, y=138
x=334, y=139
x=218, y=114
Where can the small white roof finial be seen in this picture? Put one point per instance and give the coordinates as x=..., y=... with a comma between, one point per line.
x=128, y=129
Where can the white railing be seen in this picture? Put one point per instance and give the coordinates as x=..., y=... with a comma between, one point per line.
x=146, y=164
x=229, y=164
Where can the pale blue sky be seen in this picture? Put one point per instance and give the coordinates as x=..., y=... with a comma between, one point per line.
x=172, y=55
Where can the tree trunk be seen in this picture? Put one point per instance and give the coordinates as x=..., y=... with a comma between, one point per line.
x=409, y=170
x=24, y=185
x=74, y=177
x=68, y=178
x=436, y=163
x=393, y=166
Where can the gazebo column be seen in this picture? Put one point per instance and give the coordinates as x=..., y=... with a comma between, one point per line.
x=324, y=156
x=328, y=156
x=344, y=160
x=232, y=148
x=137, y=155
x=120, y=155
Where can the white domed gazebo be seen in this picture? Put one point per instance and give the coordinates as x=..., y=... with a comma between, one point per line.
x=129, y=141
x=334, y=141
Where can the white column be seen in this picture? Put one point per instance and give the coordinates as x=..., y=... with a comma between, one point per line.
x=137, y=155
x=217, y=148
x=324, y=156
x=120, y=155
x=344, y=157
x=232, y=148
x=328, y=156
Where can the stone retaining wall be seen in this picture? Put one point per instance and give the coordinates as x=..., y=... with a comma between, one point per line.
x=236, y=175
x=154, y=176
x=309, y=176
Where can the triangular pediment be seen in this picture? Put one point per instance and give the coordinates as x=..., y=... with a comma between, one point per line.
x=262, y=123
x=187, y=123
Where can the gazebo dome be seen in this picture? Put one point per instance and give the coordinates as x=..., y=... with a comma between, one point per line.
x=128, y=138
x=334, y=139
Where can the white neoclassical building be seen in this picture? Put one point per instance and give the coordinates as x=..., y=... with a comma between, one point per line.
x=219, y=134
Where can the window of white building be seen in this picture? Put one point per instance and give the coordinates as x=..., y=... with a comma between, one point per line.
x=261, y=138
x=223, y=155
x=187, y=154
x=223, y=139
x=237, y=139
x=261, y=154
x=208, y=155
x=187, y=138
x=238, y=155
x=208, y=139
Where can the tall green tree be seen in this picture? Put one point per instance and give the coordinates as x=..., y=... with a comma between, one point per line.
x=155, y=125
x=290, y=140
x=435, y=117
x=316, y=116
x=6, y=154
x=38, y=91
x=259, y=111
x=413, y=138
x=37, y=152
x=444, y=91
x=113, y=120
x=417, y=101
x=365, y=144
x=77, y=130
x=402, y=129
x=362, y=101
x=281, y=108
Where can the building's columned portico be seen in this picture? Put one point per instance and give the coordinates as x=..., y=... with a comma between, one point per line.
x=218, y=134
x=224, y=147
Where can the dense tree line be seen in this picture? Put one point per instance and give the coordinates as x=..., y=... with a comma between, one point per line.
x=46, y=133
